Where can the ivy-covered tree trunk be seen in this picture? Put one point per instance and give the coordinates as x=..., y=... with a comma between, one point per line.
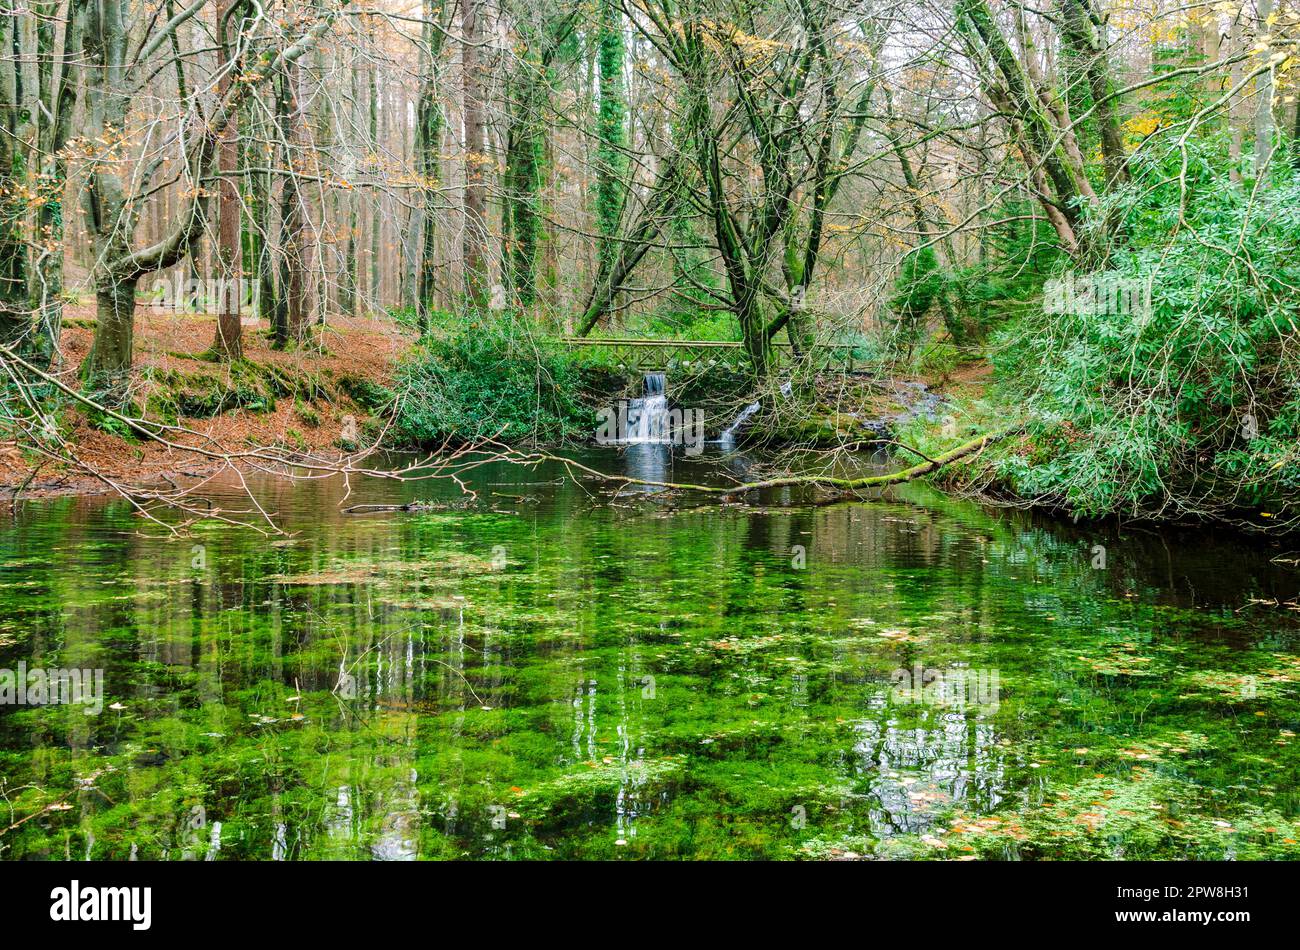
x=692, y=277
x=18, y=133
x=521, y=210
x=611, y=154
x=15, y=317
x=526, y=157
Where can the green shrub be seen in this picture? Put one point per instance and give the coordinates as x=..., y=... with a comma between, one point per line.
x=308, y=414
x=1192, y=409
x=491, y=380
x=112, y=425
x=366, y=393
x=916, y=290
x=939, y=358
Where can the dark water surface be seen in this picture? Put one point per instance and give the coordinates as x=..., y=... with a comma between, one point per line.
x=556, y=672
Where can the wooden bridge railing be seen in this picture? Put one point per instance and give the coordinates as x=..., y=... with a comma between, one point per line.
x=651, y=354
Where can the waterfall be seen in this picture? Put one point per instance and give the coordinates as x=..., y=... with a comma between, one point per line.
x=647, y=417
x=728, y=436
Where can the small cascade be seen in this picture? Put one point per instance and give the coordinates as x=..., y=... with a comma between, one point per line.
x=728, y=436
x=647, y=417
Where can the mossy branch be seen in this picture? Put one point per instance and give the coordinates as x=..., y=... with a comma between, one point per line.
x=823, y=481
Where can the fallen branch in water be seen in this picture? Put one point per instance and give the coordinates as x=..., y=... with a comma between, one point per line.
x=825, y=481
x=370, y=509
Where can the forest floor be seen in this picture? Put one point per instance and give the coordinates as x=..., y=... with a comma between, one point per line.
x=296, y=399
x=966, y=379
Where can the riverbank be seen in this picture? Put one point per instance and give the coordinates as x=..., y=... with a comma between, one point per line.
x=367, y=378
x=1054, y=464
x=371, y=378
x=296, y=400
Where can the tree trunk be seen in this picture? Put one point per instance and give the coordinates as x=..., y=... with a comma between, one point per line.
x=349, y=294
x=1048, y=147
x=521, y=219
x=1264, y=103
x=267, y=301
x=15, y=318
x=428, y=145
x=1295, y=139
x=228, y=343
x=111, y=223
x=476, y=160
x=294, y=317
x=611, y=160
x=660, y=209
x=376, y=214
x=1087, y=39
x=109, y=361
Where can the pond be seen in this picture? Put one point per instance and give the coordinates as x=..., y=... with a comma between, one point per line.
x=560, y=671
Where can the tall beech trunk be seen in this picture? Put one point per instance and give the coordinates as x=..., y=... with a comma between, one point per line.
x=1264, y=102
x=110, y=353
x=110, y=218
x=293, y=316
x=474, y=244
x=428, y=144
x=267, y=300
x=376, y=199
x=349, y=290
x=228, y=343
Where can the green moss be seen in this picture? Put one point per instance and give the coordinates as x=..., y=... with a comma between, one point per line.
x=586, y=681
